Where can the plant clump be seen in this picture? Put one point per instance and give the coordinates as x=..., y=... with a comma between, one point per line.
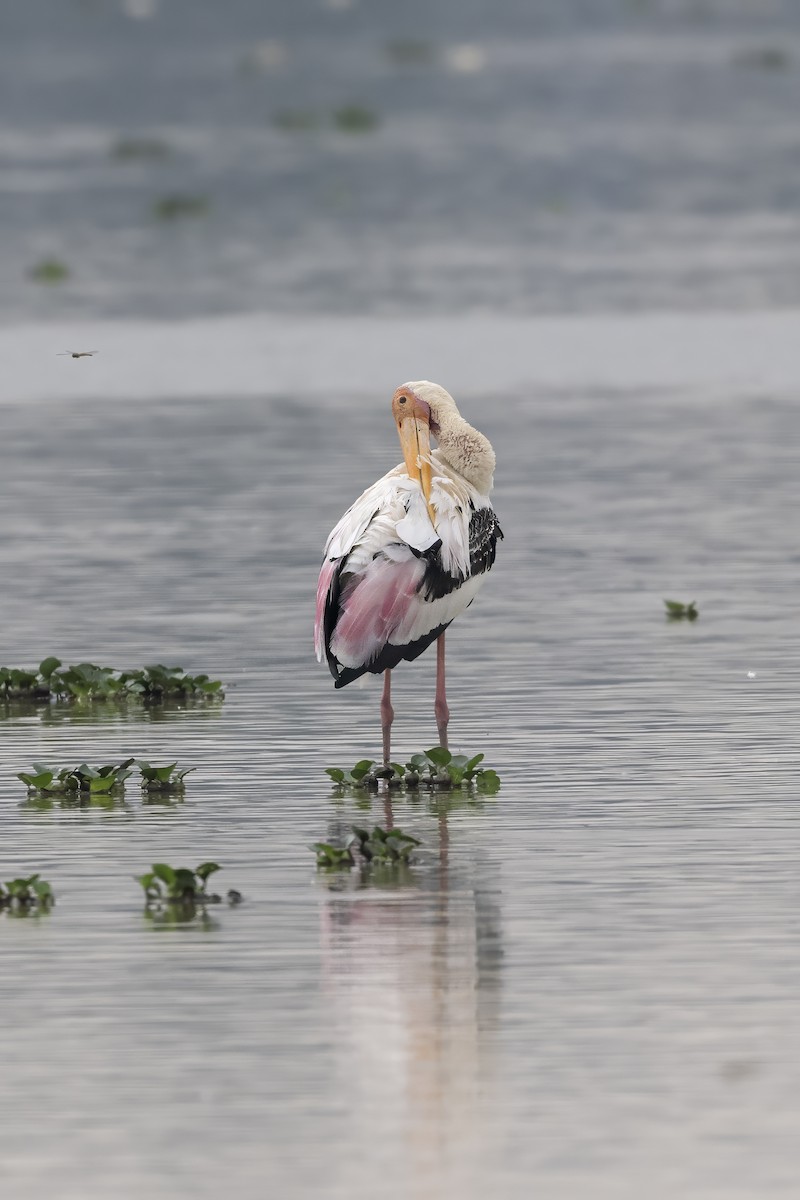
x=79, y=782
x=49, y=270
x=88, y=681
x=166, y=885
x=434, y=768
x=172, y=208
x=24, y=895
x=676, y=610
x=382, y=847
x=162, y=779
x=349, y=118
x=355, y=118
x=84, y=782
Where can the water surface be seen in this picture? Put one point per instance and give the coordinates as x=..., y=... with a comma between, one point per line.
x=587, y=984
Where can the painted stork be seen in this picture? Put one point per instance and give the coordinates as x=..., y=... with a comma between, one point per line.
x=411, y=553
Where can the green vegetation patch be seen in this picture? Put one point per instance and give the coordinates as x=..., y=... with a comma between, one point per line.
x=88, y=681
x=355, y=118
x=676, y=610
x=20, y=896
x=434, y=768
x=162, y=779
x=382, y=847
x=349, y=118
x=177, y=206
x=164, y=885
x=84, y=782
x=49, y=270
x=77, y=781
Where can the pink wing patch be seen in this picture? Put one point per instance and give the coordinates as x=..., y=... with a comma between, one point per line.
x=374, y=607
x=326, y=575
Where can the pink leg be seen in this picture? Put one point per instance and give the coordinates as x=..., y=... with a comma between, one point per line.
x=387, y=716
x=440, y=706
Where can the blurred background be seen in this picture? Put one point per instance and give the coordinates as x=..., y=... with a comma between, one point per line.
x=183, y=157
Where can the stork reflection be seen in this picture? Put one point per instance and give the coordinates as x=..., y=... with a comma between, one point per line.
x=412, y=968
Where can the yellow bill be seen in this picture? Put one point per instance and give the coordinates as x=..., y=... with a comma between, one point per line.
x=412, y=417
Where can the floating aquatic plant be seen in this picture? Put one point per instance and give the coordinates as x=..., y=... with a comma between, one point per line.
x=22, y=895
x=434, y=768
x=350, y=118
x=355, y=118
x=88, y=681
x=676, y=610
x=164, y=884
x=385, y=847
x=162, y=779
x=159, y=683
x=171, y=208
x=333, y=857
x=83, y=781
x=49, y=270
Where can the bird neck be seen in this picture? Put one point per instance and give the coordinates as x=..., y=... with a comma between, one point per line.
x=467, y=451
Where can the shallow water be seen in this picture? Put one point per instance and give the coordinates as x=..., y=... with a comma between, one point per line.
x=587, y=985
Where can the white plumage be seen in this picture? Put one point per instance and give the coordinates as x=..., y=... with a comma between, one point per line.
x=412, y=552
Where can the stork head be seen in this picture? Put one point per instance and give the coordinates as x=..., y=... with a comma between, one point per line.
x=417, y=409
x=424, y=409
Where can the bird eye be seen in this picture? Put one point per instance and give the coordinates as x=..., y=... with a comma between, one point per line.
x=402, y=400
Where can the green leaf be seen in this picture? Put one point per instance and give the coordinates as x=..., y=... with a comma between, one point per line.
x=48, y=665
x=404, y=837
x=488, y=781
x=103, y=783
x=332, y=856
x=336, y=774
x=207, y=868
x=163, y=773
x=184, y=881
x=164, y=872
x=148, y=880
x=675, y=608
x=398, y=769
x=438, y=755
x=362, y=768
x=473, y=762
x=41, y=780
